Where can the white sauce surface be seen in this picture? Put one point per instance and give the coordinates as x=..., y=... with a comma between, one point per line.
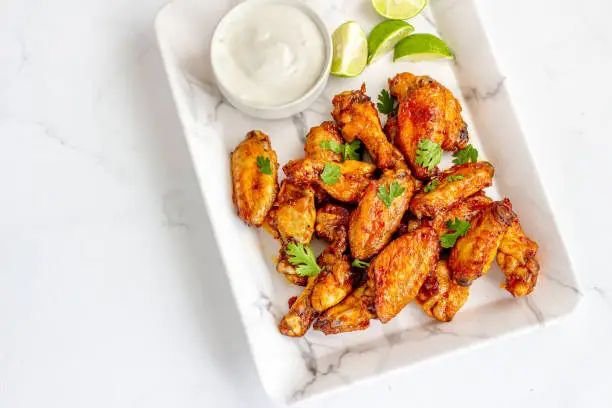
x=269, y=55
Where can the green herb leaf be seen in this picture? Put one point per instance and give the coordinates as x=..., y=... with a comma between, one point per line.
x=360, y=264
x=428, y=153
x=465, y=155
x=350, y=150
x=386, y=103
x=332, y=145
x=459, y=227
x=431, y=186
x=394, y=191
x=264, y=165
x=454, y=178
x=331, y=173
x=303, y=259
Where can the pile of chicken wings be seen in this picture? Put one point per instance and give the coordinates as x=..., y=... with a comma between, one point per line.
x=382, y=253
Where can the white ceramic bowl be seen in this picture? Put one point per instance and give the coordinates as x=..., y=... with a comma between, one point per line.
x=282, y=110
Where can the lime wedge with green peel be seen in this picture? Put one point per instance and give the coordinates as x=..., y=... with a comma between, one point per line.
x=421, y=47
x=398, y=9
x=385, y=36
x=350, y=50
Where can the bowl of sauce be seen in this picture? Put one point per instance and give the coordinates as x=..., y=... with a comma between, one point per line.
x=271, y=58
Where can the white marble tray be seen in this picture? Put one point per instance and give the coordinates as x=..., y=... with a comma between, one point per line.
x=294, y=369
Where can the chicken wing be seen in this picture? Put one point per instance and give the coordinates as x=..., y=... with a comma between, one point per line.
x=428, y=110
x=464, y=210
x=352, y=314
x=334, y=282
x=293, y=214
x=473, y=254
x=354, y=177
x=301, y=314
x=517, y=259
x=326, y=132
x=254, y=191
x=372, y=223
x=358, y=119
x=440, y=297
x=399, y=271
x=332, y=222
x=284, y=267
x=456, y=183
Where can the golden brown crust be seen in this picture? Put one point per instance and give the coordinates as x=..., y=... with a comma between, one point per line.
x=332, y=222
x=440, y=297
x=352, y=314
x=293, y=214
x=253, y=192
x=464, y=210
x=284, y=267
x=327, y=131
x=301, y=314
x=517, y=259
x=334, y=282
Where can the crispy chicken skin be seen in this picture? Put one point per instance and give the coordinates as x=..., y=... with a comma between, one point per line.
x=293, y=214
x=301, y=314
x=399, y=271
x=352, y=314
x=354, y=177
x=372, y=223
x=390, y=128
x=427, y=110
x=440, y=297
x=332, y=222
x=327, y=131
x=464, y=210
x=334, y=282
x=358, y=119
x=517, y=259
x=473, y=254
x=476, y=176
x=253, y=192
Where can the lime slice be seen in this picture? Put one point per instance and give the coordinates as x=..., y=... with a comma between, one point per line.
x=385, y=36
x=398, y=9
x=421, y=47
x=350, y=50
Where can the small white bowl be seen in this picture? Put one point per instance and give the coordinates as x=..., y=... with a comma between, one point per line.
x=284, y=110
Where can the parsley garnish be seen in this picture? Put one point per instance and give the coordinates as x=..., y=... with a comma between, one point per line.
x=460, y=227
x=431, y=186
x=303, y=258
x=429, y=154
x=360, y=264
x=394, y=191
x=454, y=178
x=331, y=173
x=347, y=150
x=386, y=103
x=465, y=155
x=264, y=165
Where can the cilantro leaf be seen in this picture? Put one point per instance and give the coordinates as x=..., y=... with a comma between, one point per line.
x=428, y=153
x=332, y=145
x=431, y=186
x=303, y=259
x=459, y=227
x=360, y=264
x=386, y=103
x=350, y=150
x=394, y=191
x=454, y=178
x=331, y=173
x=264, y=165
x=465, y=155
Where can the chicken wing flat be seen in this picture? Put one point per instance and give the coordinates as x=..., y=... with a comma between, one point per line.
x=332, y=222
x=372, y=223
x=352, y=314
x=440, y=297
x=473, y=254
x=455, y=184
x=254, y=191
x=293, y=214
x=334, y=282
x=428, y=110
x=464, y=210
x=326, y=132
x=301, y=314
x=517, y=259
x=399, y=271
x=358, y=119
x=354, y=177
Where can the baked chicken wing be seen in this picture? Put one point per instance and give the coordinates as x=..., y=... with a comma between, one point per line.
x=473, y=254
x=464, y=210
x=325, y=133
x=399, y=271
x=334, y=282
x=352, y=314
x=254, y=191
x=301, y=314
x=440, y=297
x=517, y=259
x=293, y=215
x=332, y=222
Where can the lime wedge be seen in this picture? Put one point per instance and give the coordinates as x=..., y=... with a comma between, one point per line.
x=421, y=47
x=350, y=50
x=385, y=36
x=398, y=9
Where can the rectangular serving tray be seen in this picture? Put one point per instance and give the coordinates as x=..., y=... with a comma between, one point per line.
x=294, y=369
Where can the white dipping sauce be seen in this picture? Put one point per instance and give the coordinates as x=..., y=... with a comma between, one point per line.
x=269, y=56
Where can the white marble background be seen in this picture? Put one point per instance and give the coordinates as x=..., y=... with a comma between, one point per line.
x=111, y=290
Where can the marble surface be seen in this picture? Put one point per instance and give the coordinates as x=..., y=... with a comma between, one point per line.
x=112, y=291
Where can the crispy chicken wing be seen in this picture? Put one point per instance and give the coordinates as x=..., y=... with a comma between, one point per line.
x=399, y=271
x=456, y=183
x=253, y=191
x=326, y=132
x=358, y=119
x=353, y=313
x=354, y=177
x=301, y=314
x=373, y=223
x=332, y=222
x=427, y=110
x=517, y=259
x=464, y=210
x=334, y=282
x=473, y=254
x=439, y=296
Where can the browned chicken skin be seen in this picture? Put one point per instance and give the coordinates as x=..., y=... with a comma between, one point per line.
x=301, y=314
x=517, y=259
x=353, y=313
x=473, y=254
x=253, y=191
x=464, y=210
x=293, y=214
x=334, y=282
x=327, y=131
x=440, y=297
x=475, y=177
x=332, y=222
x=399, y=271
